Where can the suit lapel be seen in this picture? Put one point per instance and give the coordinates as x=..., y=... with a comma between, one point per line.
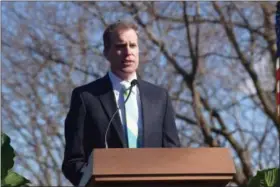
x=108, y=101
x=146, y=105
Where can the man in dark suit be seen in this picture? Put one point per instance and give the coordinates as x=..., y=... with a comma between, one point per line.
x=148, y=121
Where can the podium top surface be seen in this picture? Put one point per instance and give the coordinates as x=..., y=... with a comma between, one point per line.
x=163, y=161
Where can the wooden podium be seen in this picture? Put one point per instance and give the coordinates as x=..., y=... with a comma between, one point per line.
x=146, y=167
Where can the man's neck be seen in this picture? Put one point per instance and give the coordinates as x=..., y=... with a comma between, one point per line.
x=125, y=77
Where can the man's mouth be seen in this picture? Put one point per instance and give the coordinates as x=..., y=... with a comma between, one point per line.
x=128, y=61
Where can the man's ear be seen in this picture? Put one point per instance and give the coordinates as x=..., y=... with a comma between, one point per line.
x=105, y=53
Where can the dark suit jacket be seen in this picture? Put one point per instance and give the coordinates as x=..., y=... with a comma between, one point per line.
x=91, y=108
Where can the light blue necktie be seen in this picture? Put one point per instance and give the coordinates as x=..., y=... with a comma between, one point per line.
x=131, y=118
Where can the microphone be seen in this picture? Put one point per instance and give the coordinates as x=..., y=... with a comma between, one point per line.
x=132, y=84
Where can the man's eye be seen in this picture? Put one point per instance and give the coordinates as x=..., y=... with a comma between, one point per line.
x=120, y=45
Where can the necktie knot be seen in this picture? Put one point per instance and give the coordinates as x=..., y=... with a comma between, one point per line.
x=125, y=89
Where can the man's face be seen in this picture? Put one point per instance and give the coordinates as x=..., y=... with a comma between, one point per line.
x=123, y=54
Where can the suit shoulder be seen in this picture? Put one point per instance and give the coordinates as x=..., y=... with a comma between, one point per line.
x=154, y=88
x=89, y=87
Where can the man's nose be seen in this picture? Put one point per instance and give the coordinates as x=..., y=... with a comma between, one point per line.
x=127, y=50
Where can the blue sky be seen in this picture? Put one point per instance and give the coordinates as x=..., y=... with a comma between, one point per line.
x=94, y=36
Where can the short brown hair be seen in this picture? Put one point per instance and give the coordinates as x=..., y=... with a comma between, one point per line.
x=112, y=28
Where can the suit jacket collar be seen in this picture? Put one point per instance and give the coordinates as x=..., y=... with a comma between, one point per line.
x=108, y=101
x=146, y=104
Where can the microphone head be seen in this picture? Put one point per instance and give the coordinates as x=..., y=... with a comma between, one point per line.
x=134, y=82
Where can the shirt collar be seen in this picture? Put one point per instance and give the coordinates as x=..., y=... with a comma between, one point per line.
x=118, y=83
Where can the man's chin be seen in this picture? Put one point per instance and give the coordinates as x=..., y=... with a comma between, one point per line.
x=128, y=70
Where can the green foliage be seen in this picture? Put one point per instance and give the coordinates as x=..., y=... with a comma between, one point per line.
x=266, y=178
x=7, y=156
x=8, y=177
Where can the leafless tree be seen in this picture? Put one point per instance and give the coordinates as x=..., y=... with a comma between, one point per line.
x=217, y=59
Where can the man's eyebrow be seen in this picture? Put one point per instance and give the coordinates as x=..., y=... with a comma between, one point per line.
x=121, y=43
x=117, y=43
